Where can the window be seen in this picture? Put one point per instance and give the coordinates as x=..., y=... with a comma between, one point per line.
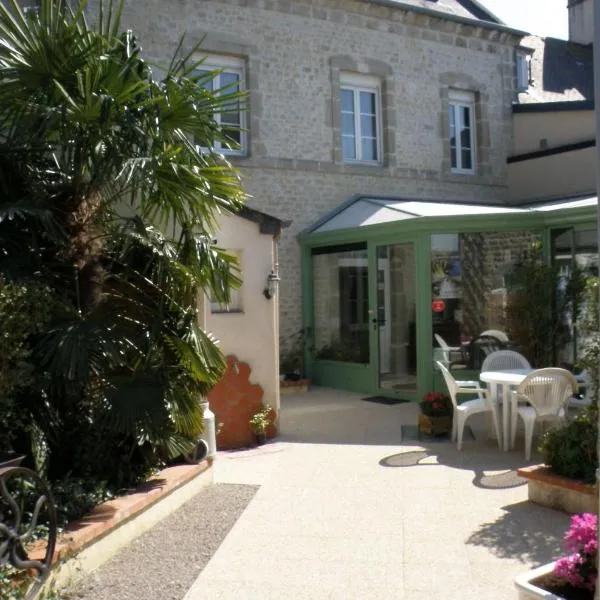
x=229, y=78
x=522, y=71
x=461, y=121
x=235, y=304
x=360, y=118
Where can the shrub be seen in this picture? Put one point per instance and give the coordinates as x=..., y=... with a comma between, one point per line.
x=436, y=404
x=570, y=450
x=579, y=568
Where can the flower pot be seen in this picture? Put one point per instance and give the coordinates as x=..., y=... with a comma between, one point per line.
x=260, y=438
x=435, y=425
x=530, y=586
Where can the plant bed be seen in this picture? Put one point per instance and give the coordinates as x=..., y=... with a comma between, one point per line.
x=543, y=583
x=555, y=491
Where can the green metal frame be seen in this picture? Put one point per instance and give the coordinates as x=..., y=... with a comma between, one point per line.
x=418, y=231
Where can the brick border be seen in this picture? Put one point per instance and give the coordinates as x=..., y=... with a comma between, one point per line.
x=545, y=475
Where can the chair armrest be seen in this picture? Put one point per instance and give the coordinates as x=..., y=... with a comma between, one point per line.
x=472, y=390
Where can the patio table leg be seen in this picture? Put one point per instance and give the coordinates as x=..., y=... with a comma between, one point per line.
x=506, y=430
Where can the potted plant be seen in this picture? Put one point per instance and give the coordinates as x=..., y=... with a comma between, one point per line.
x=259, y=424
x=436, y=414
x=572, y=577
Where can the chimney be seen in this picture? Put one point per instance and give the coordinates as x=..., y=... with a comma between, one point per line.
x=581, y=21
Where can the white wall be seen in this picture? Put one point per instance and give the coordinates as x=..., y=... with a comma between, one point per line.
x=566, y=174
x=557, y=128
x=251, y=334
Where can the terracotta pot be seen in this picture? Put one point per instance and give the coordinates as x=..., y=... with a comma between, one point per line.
x=435, y=425
x=11, y=460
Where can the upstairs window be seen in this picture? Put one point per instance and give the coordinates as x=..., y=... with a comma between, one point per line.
x=522, y=60
x=360, y=118
x=228, y=79
x=461, y=123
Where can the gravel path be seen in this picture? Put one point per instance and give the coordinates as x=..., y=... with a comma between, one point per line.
x=164, y=562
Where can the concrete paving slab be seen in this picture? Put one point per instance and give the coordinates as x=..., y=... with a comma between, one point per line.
x=347, y=510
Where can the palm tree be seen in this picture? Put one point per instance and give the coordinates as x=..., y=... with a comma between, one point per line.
x=107, y=198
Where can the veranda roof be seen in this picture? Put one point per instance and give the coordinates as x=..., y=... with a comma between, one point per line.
x=363, y=211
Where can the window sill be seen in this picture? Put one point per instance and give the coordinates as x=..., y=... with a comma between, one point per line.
x=226, y=312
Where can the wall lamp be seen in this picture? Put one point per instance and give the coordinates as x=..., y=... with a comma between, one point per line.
x=273, y=280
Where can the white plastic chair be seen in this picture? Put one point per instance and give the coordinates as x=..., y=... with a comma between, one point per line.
x=470, y=407
x=547, y=392
x=499, y=335
x=445, y=349
x=503, y=360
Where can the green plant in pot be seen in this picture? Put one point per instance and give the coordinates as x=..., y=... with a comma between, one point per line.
x=259, y=423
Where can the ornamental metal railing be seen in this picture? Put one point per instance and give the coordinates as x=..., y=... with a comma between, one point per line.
x=28, y=524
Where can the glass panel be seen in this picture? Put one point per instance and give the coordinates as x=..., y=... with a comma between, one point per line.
x=367, y=103
x=347, y=101
x=465, y=156
x=368, y=126
x=341, y=305
x=466, y=116
x=471, y=279
x=396, y=315
x=231, y=81
x=208, y=84
x=348, y=148
x=452, y=135
x=579, y=248
x=348, y=124
x=465, y=138
x=368, y=148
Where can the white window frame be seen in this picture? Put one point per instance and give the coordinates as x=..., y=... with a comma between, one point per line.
x=456, y=101
x=357, y=83
x=522, y=65
x=228, y=64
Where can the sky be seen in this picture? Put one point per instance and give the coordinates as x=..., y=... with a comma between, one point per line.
x=546, y=18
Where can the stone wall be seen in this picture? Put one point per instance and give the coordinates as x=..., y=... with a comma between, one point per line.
x=294, y=51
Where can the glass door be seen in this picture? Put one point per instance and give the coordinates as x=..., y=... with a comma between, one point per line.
x=396, y=317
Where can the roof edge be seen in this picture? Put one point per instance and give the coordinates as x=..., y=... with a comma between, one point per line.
x=450, y=17
x=564, y=105
x=551, y=151
x=267, y=224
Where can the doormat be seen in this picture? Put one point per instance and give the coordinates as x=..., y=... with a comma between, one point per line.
x=411, y=433
x=384, y=400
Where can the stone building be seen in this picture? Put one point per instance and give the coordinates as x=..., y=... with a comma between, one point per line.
x=351, y=97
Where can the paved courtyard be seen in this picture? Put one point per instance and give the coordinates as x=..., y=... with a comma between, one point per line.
x=347, y=509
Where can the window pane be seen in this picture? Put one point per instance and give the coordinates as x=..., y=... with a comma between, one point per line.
x=348, y=147
x=235, y=135
x=347, y=100
x=368, y=148
x=348, y=124
x=230, y=79
x=465, y=138
x=466, y=159
x=341, y=306
x=368, y=126
x=367, y=103
x=466, y=116
x=453, y=157
x=208, y=84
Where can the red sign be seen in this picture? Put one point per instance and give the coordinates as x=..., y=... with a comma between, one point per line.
x=438, y=306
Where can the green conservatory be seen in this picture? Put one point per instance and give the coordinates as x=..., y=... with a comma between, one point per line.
x=388, y=282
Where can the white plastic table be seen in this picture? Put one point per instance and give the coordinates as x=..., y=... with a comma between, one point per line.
x=507, y=379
